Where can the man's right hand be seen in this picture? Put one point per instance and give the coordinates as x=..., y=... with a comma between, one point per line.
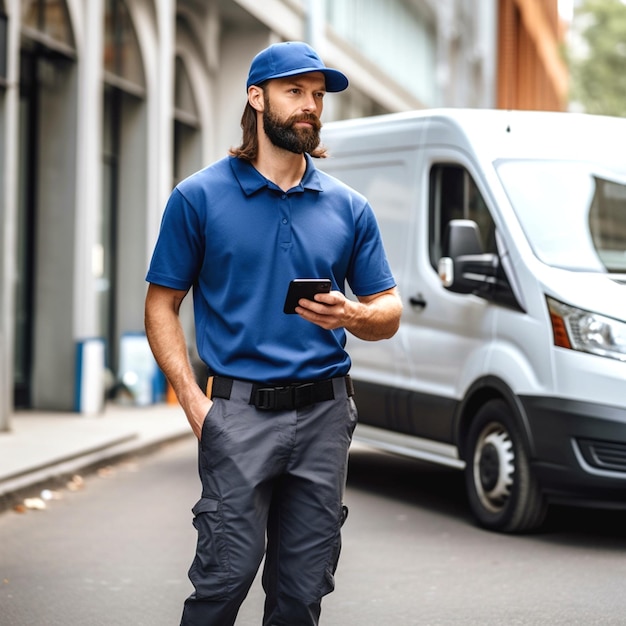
x=197, y=414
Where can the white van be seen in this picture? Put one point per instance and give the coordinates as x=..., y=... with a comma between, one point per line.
x=506, y=232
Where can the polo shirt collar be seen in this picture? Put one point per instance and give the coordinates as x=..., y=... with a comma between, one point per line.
x=251, y=180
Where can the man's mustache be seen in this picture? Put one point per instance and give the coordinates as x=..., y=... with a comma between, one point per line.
x=309, y=118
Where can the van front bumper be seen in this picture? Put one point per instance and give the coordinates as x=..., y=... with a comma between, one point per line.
x=578, y=450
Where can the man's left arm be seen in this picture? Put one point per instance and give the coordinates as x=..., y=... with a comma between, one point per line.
x=372, y=318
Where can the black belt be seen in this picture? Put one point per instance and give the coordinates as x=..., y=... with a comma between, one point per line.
x=282, y=398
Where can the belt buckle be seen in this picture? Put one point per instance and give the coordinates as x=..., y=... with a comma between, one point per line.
x=284, y=398
x=273, y=398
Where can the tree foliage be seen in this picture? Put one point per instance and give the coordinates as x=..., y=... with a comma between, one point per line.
x=597, y=57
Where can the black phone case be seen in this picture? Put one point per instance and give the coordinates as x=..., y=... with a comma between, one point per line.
x=304, y=288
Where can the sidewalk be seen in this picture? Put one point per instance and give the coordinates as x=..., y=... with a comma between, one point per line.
x=43, y=449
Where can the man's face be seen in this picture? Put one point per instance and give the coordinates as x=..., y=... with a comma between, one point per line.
x=291, y=119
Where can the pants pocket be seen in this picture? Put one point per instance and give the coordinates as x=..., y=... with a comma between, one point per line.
x=209, y=573
x=207, y=425
x=335, y=553
x=353, y=416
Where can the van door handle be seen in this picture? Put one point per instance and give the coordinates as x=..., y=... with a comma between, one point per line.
x=418, y=301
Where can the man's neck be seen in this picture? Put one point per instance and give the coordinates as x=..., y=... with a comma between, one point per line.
x=285, y=169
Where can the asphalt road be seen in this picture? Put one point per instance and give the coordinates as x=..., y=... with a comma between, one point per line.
x=116, y=551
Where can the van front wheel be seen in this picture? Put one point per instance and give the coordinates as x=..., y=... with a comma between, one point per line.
x=503, y=493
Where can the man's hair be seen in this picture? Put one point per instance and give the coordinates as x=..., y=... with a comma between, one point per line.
x=249, y=148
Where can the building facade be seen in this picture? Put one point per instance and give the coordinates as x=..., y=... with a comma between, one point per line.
x=106, y=104
x=531, y=70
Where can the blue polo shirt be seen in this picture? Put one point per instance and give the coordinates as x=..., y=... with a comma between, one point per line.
x=238, y=240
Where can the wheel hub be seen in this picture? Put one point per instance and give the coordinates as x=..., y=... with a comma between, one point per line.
x=489, y=466
x=494, y=465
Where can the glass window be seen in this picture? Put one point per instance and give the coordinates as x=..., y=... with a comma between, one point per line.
x=573, y=213
x=186, y=124
x=122, y=57
x=124, y=89
x=607, y=222
x=183, y=99
x=400, y=37
x=3, y=47
x=454, y=195
x=49, y=17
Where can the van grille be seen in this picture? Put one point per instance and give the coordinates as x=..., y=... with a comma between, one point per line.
x=604, y=454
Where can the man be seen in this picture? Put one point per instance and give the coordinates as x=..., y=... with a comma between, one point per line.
x=276, y=422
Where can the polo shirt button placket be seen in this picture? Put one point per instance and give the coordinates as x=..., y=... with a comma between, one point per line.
x=285, y=222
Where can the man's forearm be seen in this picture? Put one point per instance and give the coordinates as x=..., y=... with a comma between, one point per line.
x=167, y=341
x=376, y=318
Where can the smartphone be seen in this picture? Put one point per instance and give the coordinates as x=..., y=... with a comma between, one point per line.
x=304, y=288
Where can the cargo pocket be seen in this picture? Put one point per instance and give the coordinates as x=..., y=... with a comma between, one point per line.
x=334, y=555
x=210, y=571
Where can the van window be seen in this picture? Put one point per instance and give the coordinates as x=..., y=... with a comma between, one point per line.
x=453, y=194
x=607, y=224
x=572, y=212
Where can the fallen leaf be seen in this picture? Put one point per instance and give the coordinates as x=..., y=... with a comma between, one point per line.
x=76, y=483
x=35, y=503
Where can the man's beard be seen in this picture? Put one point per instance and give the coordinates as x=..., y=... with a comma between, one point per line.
x=285, y=135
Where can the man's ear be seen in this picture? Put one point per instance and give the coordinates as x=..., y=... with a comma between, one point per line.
x=255, y=98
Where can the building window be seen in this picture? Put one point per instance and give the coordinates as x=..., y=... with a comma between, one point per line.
x=47, y=56
x=184, y=102
x=186, y=124
x=124, y=91
x=47, y=21
x=122, y=59
x=399, y=37
x=3, y=48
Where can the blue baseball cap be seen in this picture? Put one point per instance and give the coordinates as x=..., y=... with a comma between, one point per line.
x=289, y=59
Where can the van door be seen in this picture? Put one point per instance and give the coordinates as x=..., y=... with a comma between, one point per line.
x=447, y=335
x=388, y=180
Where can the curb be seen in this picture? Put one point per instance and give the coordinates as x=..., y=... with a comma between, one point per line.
x=54, y=475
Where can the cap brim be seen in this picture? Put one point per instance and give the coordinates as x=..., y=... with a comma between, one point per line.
x=335, y=80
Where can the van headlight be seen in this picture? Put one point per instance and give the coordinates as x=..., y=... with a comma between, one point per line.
x=586, y=331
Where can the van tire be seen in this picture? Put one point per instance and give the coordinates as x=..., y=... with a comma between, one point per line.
x=503, y=492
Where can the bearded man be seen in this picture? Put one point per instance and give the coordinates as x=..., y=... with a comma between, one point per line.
x=275, y=423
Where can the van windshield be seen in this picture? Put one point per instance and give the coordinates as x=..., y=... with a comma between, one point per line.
x=573, y=213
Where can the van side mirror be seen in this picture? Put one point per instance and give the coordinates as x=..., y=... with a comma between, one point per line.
x=461, y=237
x=465, y=268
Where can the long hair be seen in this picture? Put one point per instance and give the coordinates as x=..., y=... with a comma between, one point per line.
x=249, y=147
x=248, y=150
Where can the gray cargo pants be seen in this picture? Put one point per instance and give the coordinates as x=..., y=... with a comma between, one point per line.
x=279, y=474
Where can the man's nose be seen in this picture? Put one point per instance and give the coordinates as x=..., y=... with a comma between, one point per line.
x=309, y=103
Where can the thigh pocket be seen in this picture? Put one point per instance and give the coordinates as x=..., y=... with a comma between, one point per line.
x=331, y=566
x=210, y=570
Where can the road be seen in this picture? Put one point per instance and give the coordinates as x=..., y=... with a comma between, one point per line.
x=116, y=553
